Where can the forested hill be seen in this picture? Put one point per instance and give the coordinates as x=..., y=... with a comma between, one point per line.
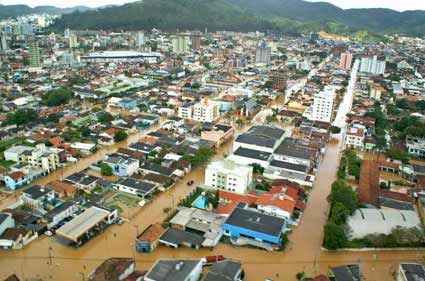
x=243, y=15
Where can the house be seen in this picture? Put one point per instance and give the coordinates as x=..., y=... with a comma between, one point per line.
x=228, y=175
x=82, y=181
x=279, y=201
x=153, y=168
x=253, y=226
x=36, y=196
x=260, y=138
x=415, y=146
x=148, y=240
x=16, y=180
x=16, y=238
x=202, y=222
x=345, y=273
x=6, y=221
x=175, y=270
x=58, y=214
x=147, y=120
x=115, y=269
x=122, y=166
x=219, y=134
x=46, y=158
x=136, y=187
x=410, y=272
x=62, y=189
x=226, y=270
x=355, y=138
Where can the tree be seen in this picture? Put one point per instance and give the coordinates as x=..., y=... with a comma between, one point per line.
x=22, y=116
x=257, y=168
x=105, y=170
x=343, y=193
x=398, y=154
x=105, y=117
x=335, y=237
x=57, y=97
x=201, y=157
x=339, y=214
x=120, y=136
x=53, y=118
x=85, y=132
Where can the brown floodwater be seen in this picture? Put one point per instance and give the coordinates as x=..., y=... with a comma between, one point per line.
x=47, y=259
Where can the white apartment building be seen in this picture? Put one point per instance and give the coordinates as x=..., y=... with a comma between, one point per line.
x=185, y=111
x=228, y=175
x=206, y=111
x=323, y=106
x=355, y=137
x=46, y=158
x=372, y=65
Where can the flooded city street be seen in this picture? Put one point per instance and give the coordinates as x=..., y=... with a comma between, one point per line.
x=47, y=259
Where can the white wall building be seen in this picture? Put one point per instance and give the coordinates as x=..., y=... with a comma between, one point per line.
x=185, y=111
x=206, y=111
x=229, y=176
x=355, y=137
x=323, y=106
x=372, y=65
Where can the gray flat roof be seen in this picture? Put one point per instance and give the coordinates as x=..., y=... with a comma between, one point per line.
x=177, y=237
x=253, y=154
x=288, y=166
x=413, y=272
x=256, y=221
x=82, y=223
x=288, y=148
x=172, y=270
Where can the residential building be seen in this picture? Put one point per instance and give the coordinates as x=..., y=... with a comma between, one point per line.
x=36, y=196
x=323, y=106
x=58, y=214
x=113, y=269
x=253, y=226
x=73, y=41
x=176, y=270
x=196, y=40
x=16, y=180
x=140, y=38
x=136, y=187
x=410, y=272
x=34, y=54
x=375, y=91
x=263, y=53
x=279, y=201
x=185, y=111
x=345, y=61
x=219, y=134
x=6, y=221
x=148, y=240
x=355, y=137
x=46, y=158
x=372, y=66
x=228, y=175
x=415, y=146
x=245, y=156
x=349, y=272
x=279, y=79
x=180, y=45
x=83, y=181
x=3, y=42
x=227, y=270
x=122, y=166
x=205, y=111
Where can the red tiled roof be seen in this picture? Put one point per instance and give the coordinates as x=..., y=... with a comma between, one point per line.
x=17, y=175
x=278, y=201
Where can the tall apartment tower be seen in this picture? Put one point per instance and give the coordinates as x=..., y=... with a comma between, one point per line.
x=372, y=65
x=346, y=61
x=196, y=40
x=140, y=38
x=180, y=45
x=34, y=52
x=263, y=53
x=323, y=106
x=3, y=42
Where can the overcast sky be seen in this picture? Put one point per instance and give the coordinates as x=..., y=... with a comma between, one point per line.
x=400, y=5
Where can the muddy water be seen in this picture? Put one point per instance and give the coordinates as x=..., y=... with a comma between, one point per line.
x=46, y=258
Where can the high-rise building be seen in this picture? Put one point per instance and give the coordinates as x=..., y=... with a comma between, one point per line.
x=73, y=41
x=34, y=52
x=3, y=41
x=180, y=45
x=372, y=65
x=140, y=38
x=323, y=105
x=263, y=53
x=346, y=61
x=196, y=40
x=67, y=33
x=52, y=38
x=206, y=111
